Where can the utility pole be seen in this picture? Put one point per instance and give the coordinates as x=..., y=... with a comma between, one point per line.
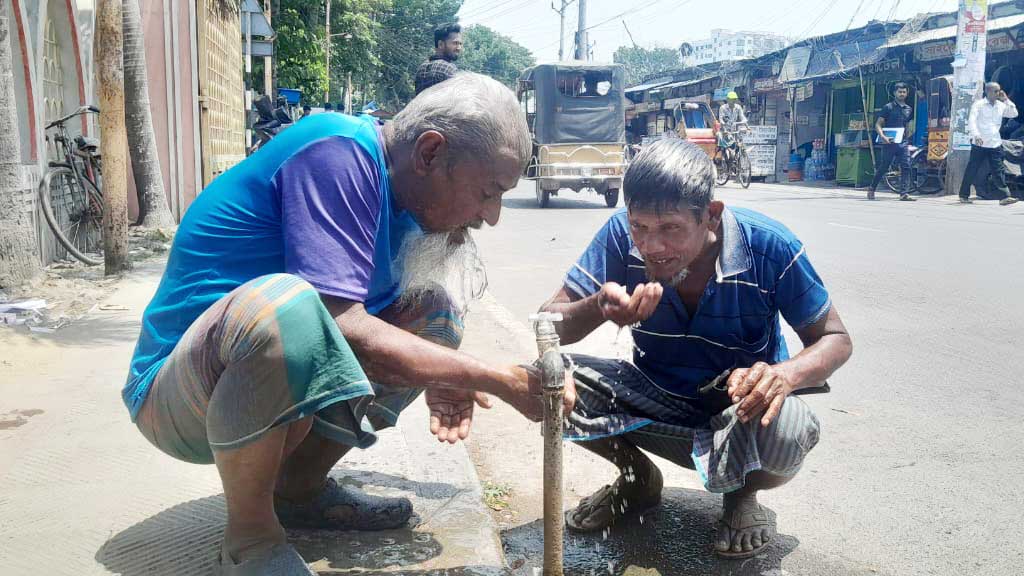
x=327, y=51
x=268, y=61
x=968, y=80
x=114, y=142
x=561, y=27
x=582, y=45
x=630, y=34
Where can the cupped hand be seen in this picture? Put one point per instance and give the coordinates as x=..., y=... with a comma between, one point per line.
x=624, y=309
x=759, y=391
x=451, y=412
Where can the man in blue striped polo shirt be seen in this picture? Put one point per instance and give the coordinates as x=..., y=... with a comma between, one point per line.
x=701, y=287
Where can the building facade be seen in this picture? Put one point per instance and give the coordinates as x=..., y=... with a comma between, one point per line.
x=197, y=94
x=729, y=45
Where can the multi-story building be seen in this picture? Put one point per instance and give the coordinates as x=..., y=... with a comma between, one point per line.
x=728, y=45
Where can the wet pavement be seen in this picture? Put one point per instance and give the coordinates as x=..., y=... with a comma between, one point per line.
x=674, y=539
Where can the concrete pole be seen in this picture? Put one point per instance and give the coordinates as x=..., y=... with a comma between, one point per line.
x=114, y=136
x=268, y=61
x=968, y=81
x=327, y=51
x=348, y=93
x=582, y=44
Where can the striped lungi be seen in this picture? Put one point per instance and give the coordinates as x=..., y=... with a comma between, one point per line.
x=614, y=398
x=266, y=355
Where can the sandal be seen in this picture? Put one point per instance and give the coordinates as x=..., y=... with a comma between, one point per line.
x=603, y=508
x=339, y=507
x=281, y=560
x=745, y=518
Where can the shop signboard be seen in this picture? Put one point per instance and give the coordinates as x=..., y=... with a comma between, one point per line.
x=804, y=91
x=884, y=66
x=995, y=43
x=767, y=84
x=796, y=63
x=762, y=159
x=721, y=94
x=761, y=135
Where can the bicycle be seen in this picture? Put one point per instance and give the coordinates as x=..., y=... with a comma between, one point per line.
x=71, y=192
x=735, y=165
x=926, y=176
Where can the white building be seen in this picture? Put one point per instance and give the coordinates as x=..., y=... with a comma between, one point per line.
x=729, y=45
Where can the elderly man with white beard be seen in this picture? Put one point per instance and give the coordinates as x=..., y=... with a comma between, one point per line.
x=311, y=293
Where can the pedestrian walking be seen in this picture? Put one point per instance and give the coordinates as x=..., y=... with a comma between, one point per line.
x=441, y=65
x=895, y=114
x=986, y=144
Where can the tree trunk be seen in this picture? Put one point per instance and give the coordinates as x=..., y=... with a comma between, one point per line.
x=153, y=209
x=114, y=140
x=19, y=257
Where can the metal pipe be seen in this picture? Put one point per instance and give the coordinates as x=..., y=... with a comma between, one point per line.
x=553, y=387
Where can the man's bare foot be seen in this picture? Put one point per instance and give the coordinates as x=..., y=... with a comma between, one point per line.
x=632, y=493
x=746, y=527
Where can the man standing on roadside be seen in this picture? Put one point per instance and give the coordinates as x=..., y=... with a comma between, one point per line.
x=440, y=66
x=895, y=114
x=986, y=145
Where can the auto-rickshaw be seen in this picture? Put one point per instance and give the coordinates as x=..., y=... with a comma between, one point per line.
x=576, y=113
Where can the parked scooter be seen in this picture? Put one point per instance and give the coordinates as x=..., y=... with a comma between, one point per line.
x=271, y=121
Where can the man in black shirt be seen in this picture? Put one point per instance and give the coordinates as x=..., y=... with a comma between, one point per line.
x=440, y=67
x=895, y=114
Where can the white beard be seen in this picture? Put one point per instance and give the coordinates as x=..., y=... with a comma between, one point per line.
x=674, y=282
x=446, y=261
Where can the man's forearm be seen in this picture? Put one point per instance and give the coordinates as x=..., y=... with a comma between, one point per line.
x=579, y=318
x=814, y=364
x=392, y=356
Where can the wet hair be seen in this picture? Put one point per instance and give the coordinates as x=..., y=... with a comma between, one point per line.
x=671, y=174
x=899, y=86
x=478, y=116
x=442, y=33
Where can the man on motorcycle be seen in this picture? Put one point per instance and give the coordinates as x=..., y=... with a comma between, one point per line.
x=733, y=120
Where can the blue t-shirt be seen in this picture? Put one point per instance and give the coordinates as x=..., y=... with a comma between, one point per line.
x=315, y=202
x=762, y=271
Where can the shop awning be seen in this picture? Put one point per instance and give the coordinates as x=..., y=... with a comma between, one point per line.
x=948, y=32
x=647, y=86
x=826, y=62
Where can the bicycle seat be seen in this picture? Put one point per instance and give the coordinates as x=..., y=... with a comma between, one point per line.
x=88, y=144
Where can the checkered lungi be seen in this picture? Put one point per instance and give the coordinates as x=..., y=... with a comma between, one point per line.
x=267, y=354
x=616, y=399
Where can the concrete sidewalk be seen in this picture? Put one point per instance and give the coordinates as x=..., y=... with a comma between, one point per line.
x=82, y=492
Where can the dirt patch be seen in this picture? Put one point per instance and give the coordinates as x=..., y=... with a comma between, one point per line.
x=71, y=289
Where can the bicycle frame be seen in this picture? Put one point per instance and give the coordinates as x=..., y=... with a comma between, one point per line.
x=82, y=167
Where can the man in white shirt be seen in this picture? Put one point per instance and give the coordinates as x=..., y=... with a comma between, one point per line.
x=986, y=145
x=733, y=120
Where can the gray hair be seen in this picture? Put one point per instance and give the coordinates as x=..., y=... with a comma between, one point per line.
x=992, y=85
x=670, y=174
x=478, y=116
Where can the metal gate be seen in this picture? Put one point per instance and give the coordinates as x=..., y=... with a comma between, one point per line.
x=221, y=87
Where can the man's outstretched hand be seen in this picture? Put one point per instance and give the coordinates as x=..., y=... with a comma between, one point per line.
x=451, y=412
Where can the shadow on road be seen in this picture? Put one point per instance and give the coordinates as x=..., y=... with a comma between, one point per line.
x=675, y=539
x=185, y=539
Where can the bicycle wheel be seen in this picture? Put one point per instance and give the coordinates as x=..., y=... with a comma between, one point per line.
x=743, y=169
x=721, y=170
x=73, y=214
x=892, y=179
x=929, y=177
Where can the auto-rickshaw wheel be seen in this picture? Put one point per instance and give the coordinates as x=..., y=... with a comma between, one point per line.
x=543, y=196
x=611, y=197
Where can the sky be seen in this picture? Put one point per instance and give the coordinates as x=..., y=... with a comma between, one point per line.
x=534, y=24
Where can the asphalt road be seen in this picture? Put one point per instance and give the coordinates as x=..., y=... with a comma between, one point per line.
x=920, y=466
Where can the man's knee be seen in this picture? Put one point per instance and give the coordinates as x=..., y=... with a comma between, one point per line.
x=793, y=433
x=262, y=309
x=431, y=315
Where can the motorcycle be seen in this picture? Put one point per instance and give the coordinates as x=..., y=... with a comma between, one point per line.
x=271, y=121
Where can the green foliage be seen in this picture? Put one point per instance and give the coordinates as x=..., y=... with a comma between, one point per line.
x=487, y=52
x=300, y=47
x=354, y=46
x=406, y=39
x=641, y=63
